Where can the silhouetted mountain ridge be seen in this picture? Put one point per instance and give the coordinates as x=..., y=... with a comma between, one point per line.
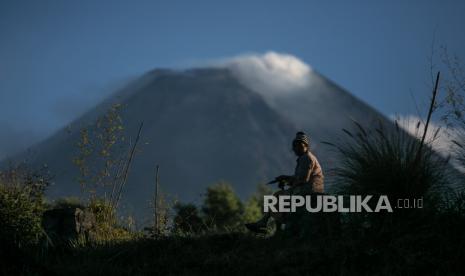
x=202, y=126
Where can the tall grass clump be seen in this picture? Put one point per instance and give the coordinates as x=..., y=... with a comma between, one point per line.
x=390, y=162
x=386, y=161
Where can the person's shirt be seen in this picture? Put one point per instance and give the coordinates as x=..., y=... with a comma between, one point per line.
x=308, y=171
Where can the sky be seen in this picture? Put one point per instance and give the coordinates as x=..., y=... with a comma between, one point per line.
x=59, y=58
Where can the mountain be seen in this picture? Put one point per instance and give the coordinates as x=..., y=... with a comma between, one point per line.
x=206, y=125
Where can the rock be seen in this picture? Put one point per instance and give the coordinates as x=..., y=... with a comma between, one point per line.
x=65, y=224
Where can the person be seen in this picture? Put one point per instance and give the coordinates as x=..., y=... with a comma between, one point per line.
x=308, y=178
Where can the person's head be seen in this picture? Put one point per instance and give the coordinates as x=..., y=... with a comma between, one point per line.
x=300, y=143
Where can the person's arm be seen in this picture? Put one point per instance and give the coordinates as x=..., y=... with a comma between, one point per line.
x=303, y=172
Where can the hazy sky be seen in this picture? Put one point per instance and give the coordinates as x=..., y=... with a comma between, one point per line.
x=58, y=58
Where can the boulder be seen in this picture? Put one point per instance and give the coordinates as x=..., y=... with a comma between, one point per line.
x=65, y=224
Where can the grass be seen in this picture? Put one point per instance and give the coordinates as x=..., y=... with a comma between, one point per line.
x=432, y=246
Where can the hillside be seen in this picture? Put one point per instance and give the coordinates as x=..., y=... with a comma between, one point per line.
x=206, y=125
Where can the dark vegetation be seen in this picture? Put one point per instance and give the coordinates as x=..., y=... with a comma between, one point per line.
x=209, y=239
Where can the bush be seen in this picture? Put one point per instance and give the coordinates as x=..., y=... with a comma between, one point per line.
x=187, y=219
x=107, y=227
x=222, y=211
x=253, y=207
x=222, y=207
x=20, y=216
x=21, y=205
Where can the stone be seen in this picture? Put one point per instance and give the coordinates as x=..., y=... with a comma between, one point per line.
x=65, y=224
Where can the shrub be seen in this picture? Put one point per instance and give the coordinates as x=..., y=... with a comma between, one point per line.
x=254, y=205
x=107, y=227
x=222, y=207
x=20, y=217
x=187, y=219
x=21, y=205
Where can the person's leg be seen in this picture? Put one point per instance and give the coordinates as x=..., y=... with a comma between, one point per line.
x=260, y=225
x=266, y=216
x=318, y=186
x=263, y=221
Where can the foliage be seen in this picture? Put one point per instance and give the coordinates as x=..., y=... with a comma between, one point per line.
x=454, y=88
x=22, y=204
x=453, y=104
x=21, y=221
x=187, y=219
x=254, y=204
x=103, y=161
x=427, y=245
x=100, y=158
x=222, y=207
x=107, y=226
x=161, y=216
x=221, y=211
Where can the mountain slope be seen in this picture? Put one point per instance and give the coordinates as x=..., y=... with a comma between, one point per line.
x=202, y=126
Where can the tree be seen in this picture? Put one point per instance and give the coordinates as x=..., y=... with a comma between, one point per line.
x=453, y=106
x=100, y=157
x=187, y=219
x=104, y=159
x=254, y=205
x=222, y=207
